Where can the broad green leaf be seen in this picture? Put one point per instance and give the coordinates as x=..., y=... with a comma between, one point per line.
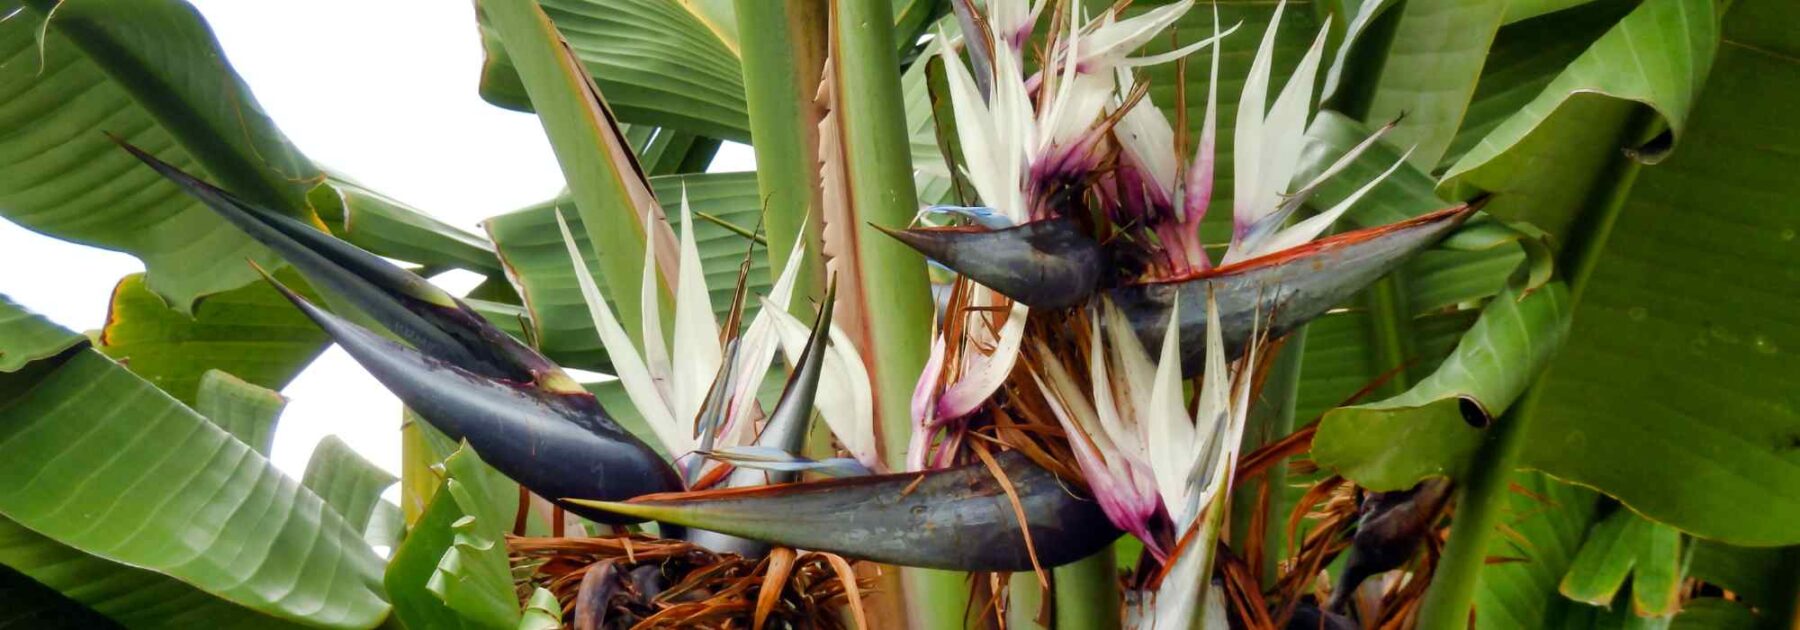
x=384, y=226
x=1712, y=613
x=246, y=411
x=26, y=336
x=1674, y=393
x=26, y=604
x=1543, y=525
x=150, y=72
x=452, y=571
x=1766, y=578
x=1517, y=10
x=542, y=612
x=107, y=464
x=347, y=482
x=250, y=332
x=673, y=64
x=659, y=62
x=1659, y=55
x=1625, y=544
x=1525, y=58
x=1435, y=428
x=1429, y=72
x=538, y=262
x=1606, y=559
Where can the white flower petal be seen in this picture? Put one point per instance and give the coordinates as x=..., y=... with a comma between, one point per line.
x=639, y=386
x=1171, y=433
x=696, y=332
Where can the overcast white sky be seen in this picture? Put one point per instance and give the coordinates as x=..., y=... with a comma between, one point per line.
x=383, y=90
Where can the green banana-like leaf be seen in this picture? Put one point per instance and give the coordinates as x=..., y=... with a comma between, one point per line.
x=26, y=336
x=246, y=411
x=123, y=594
x=1518, y=10
x=1692, y=427
x=1434, y=428
x=1658, y=55
x=452, y=571
x=542, y=611
x=347, y=482
x=24, y=603
x=135, y=597
x=1545, y=521
x=1431, y=64
x=538, y=261
x=1625, y=545
x=112, y=467
x=250, y=332
x=178, y=473
x=1764, y=578
x=150, y=72
x=671, y=64
x=384, y=226
x=1713, y=613
x=1525, y=58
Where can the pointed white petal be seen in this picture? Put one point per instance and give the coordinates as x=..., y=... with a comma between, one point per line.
x=630, y=367
x=1248, y=148
x=1284, y=131
x=1305, y=231
x=1171, y=433
x=987, y=373
x=844, y=397
x=1108, y=44
x=696, y=332
x=1151, y=60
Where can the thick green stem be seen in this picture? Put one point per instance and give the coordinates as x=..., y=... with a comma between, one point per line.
x=899, y=310
x=1271, y=418
x=1087, y=592
x=1478, y=507
x=1484, y=492
x=783, y=46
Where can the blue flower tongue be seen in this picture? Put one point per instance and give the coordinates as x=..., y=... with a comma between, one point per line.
x=1043, y=264
x=959, y=518
x=1281, y=291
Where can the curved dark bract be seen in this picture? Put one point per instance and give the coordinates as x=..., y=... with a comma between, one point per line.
x=1044, y=264
x=557, y=445
x=1281, y=291
x=958, y=518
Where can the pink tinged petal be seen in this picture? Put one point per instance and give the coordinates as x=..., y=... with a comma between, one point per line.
x=696, y=332
x=923, y=403
x=1107, y=471
x=639, y=386
x=986, y=373
x=1199, y=189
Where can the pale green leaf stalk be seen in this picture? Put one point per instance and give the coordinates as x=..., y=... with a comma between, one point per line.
x=878, y=165
x=783, y=46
